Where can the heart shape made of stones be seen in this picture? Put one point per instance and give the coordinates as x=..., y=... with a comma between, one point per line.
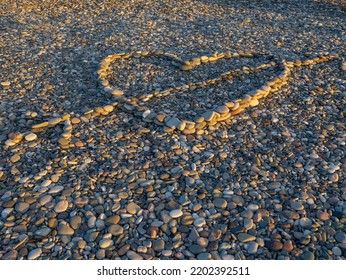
x=222, y=112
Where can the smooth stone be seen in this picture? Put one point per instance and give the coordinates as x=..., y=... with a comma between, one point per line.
x=199, y=222
x=31, y=137
x=6, y=83
x=43, y=231
x=34, y=254
x=75, y=222
x=340, y=237
x=105, y=243
x=158, y=245
x=252, y=248
x=132, y=208
x=65, y=230
x=11, y=255
x=220, y=203
x=305, y=222
x=22, y=207
x=61, y=206
x=274, y=245
x=117, y=92
x=298, y=205
x=123, y=250
x=133, y=255
x=209, y=115
x=115, y=230
x=307, y=255
x=176, y=213
x=336, y=251
x=173, y=122
x=204, y=256
x=244, y=237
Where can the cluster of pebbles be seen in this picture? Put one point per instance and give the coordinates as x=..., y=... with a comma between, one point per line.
x=92, y=169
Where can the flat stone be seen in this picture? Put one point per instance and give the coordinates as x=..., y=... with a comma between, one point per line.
x=132, y=208
x=42, y=231
x=173, y=122
x=220, y=203
x=31, y=137
x=209, y=115
x=176, y=213
x=117, y=92
x=244, y=237
x=6, y=83
x=34, y=254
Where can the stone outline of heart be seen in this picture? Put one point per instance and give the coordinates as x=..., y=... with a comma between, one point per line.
x=223, y=112
x=210, y=118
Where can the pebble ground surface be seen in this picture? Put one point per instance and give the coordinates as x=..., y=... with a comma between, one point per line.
x=268, y=184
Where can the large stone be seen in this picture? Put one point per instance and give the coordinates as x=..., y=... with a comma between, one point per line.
x=115, y=230
x=176, y=213
x=34, y=254
x=65, y=230
x=244, y=237
x=220, y=203
x=61, y=206
x=22, y=207
x=132, y=208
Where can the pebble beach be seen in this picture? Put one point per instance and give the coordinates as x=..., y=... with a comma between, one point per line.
x=173, y=130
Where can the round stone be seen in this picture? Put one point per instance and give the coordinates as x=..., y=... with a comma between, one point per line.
x=132, y=208
x=31, y=137
x=22, y=207
x=199, y=222
x=176, y=213
x=105, y=243
x=274, y=245
x=336, y=251
x=115, y=230
x=220, y=203
x=340, y=237
x=305, y=222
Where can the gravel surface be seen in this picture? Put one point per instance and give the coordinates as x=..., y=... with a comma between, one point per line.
x=83, y=175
